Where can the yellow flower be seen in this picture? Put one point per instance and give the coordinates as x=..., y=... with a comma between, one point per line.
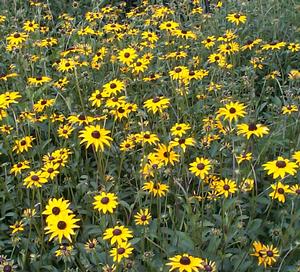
x=180, y=129
x=279, y=191
x=236, y=18
x=294, y=47
x=142, y=217
x=233, y=110
x=244, y=157
x=184, y=263
x=127, y=55
x=96, y=136
x=273, y=45
x=62, y=226
x=226, y=187
x=289, y=109
x=18, y=226
x=200, y=167
x=252, y=129
x=166, y=155
x=18, y=167
x=123, y=250
x=23, y=144
x=157, y=104
x=157, y=189
x=105, y=202
x=280, y=167
x=117, y=235
x=30, y=26
x=35, y=179
x=269, y=255
x=17, y=38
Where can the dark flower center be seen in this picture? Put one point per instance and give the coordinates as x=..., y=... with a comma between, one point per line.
x=117, y=232
x=105, y=200
x=67, y=64
x=155, y=99
x=298, y=191
x=237, y=16
x=23, y=142
x=249, y=42
x=50, y=170
x=98, y=96
x=61, y=225
x=91, y=245
x=96, y=134
x=270, y=253
x=127, y=145
x=126, y=55
x=252, y=127
x=217, y=57
x=166, y=154
x=208, y=40
x=226, y=187
x=168, y=25
x=207, y=267
x=121, y=250
x=81, y=117
x=7, y=268
x=121, y=110
x=280, y=191
x=138, y=63
x=232, y=110
x=19, y=165
x=200, y=166
x=184, y=32
x=147, y=136
x=181, y=141
x=113, y=85
x=55, y=210
x=17, y=35
x=44, y=102
x=143, y=217
x=281, y=164
x=178, y=70
x=35, y=178
x=179, y=128
x=185, y=260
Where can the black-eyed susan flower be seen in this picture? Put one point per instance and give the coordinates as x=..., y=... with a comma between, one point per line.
x=296, y=157
x=35, y=179
x=51, y=170
x=226, y=187
x=209, y=41
x=294, y=47
x=216, y=57
x=166, y=155
x=147, y=137
x=35, y=81
x=157, y=189
x=247, y=185
x=56, y=207
x=23, y=144
x=232, y=111
x=96, y=136
x=183, y=142
x=17, y=38
x=250, y=44
x=30, y=26
x=184, y=263
x=113, y=87
x=275, y=45
x=62, y=226
x=157, y=104
x=289, y=109
x=280, y=167
x=64, y=251
x=18, y=226
x=295, y=189
x=179, y=73
x=142, y=217
x=200, y=167
x=117, y=234
x=180, y=129
x=208, y=266
x=17, y=168
x=279, y=191
x=90, y=245
x=236, y=18
x=127, y=55
x=64, y=131
x=168, y=25
x=105, y=202
x=121, y=251
x=270, y=255
x=248, y=130
x=244, y=156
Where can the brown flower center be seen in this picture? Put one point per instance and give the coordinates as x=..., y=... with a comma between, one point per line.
x=155, y=99
x=281, y=164
x=105, y=200
x=185, y=260
x=280, y=191
x=113, y=85
x=35, y=178
x=121, y=250
x=17, y=35
x=252, y=127
x=62, y=225
x=226, y=187
x=143, y=217
x=270, y=253
x=117, y=232
x=55, y=210
x=126, y=55
x=232, y=110
x=178, y=70
x=23, y=142
x=200, y=166
x=96, y=134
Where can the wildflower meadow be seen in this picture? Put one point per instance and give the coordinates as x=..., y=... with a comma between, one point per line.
x=150, y=136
